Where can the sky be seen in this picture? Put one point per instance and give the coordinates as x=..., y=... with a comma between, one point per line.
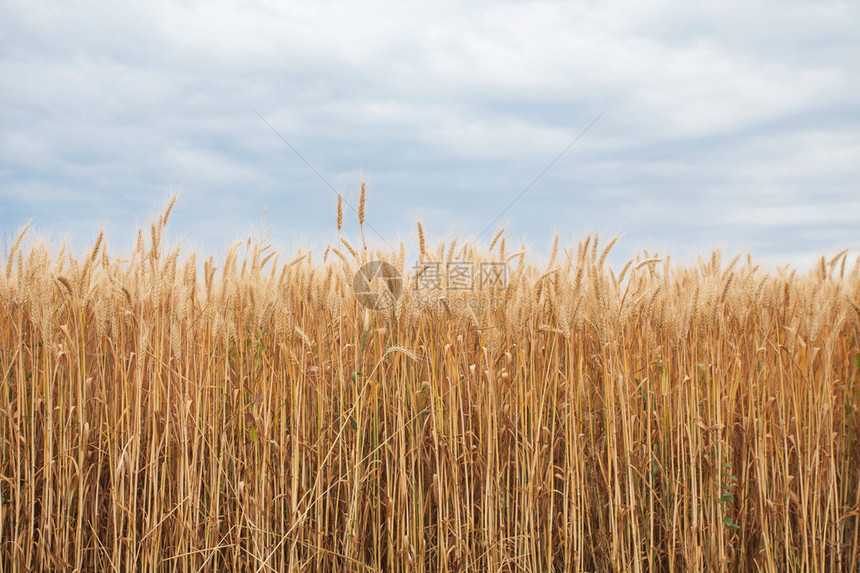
x=718, y=124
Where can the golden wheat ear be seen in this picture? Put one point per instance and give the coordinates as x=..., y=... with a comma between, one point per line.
x=361, y=201
x=673, y=417
x=361, y=204
x=422, y=245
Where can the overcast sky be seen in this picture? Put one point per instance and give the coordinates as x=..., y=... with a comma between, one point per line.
x=731, y=124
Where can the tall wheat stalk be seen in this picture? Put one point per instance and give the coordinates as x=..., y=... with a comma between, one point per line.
x=156, y=415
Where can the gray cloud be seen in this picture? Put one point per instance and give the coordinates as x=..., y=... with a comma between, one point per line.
x=732, y=124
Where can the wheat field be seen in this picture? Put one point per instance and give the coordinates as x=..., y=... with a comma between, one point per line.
x=249, y=414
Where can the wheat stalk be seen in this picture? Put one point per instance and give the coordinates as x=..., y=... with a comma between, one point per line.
x=692, y=417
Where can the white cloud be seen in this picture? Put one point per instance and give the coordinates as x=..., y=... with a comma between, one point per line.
x=803, y=215
x=723, y=118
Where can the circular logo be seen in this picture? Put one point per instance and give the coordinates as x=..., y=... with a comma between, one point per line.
x=377, y=285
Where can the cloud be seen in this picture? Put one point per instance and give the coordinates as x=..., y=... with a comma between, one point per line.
x=726, y=123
